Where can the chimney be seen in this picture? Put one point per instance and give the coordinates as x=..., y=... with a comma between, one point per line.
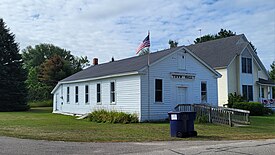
x=95, y=61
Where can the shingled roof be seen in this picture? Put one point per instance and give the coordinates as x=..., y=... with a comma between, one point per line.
x=216, y=53
x=219, y=53
x=120, y=66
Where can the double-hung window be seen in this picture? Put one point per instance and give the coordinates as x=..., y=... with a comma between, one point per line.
x=246, y=65
x=248, y=92
x=158, y=90
x=98, y=93
x=76, y=94
x=68, y=94
x=112, y=92
x=203, y=92
x=87, y=94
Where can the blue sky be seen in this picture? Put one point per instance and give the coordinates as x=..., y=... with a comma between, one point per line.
x=109, y=28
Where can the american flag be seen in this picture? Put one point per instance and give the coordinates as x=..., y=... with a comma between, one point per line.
x=145, y=43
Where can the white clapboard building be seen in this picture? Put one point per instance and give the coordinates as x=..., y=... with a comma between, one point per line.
x=242, y=70
x=174, y=76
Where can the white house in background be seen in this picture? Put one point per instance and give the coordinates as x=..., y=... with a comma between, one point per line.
x=175, y=76
x=241, y=69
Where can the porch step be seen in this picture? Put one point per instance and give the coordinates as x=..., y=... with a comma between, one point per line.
x=83, y=116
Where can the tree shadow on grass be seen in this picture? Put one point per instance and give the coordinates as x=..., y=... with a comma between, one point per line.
x=41, y=110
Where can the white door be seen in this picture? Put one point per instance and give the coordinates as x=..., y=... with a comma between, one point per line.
x=57, y=102
x=181, y=95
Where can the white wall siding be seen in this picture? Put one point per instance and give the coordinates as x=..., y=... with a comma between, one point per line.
x=127, y=90
x=223, y=87
x=162, y=71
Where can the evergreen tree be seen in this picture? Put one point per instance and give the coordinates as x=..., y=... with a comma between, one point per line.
x=12, y=75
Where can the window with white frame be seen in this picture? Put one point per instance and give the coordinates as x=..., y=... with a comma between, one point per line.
x=68, y=94
x=246, y=65
x=203, y=92
x=98, y=93
x=248, y=92
x=112, y=92
x=76, y=94
x=158, y=90
x=87, y=94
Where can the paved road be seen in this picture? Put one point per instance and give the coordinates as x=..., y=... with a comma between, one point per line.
x=16, y=146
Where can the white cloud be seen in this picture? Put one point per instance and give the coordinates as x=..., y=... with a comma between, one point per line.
x=109, y=28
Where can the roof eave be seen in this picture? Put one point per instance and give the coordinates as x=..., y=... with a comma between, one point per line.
x=95, y=78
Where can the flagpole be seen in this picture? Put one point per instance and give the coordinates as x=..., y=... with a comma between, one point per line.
x=148, y=65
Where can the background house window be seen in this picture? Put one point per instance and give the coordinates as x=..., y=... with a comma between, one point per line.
x=98, y=93
x=158, y=90
x=246, y=65
x=112, y=92
x=76, y=94
x=87, y=94
x=68, y=94
x=248, y=92
x=203, y=92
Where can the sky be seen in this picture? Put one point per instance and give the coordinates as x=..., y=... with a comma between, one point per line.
x=112, y=28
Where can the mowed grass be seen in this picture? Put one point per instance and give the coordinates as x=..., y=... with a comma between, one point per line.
x=40, y=123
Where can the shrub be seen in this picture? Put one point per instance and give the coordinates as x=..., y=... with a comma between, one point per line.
x=44, y=103
x=104, y=116
x=202, y=119
x=234, y=98
x=255, y=108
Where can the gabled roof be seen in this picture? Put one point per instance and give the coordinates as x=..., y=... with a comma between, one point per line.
x=132, y=64
x=219, y=53
x=216, y=53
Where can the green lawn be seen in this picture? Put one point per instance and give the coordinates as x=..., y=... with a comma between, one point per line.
x=40, y=123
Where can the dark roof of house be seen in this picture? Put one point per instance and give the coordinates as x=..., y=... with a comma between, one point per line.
x=215, y=53
x=120, y=66
x=219, y=53
x=267, y=82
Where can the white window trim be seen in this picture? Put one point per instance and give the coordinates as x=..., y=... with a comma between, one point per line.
x=246, y=65
x=68, y=95
x=204, y=81
x=77, y=94
x=157, y=102
x=87, y=103
x=113, y=103
x=98, y=103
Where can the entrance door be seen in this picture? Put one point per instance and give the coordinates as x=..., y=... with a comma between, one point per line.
x=181, y=95
x=57, y=102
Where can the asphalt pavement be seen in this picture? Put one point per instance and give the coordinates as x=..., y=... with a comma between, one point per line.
x=15, y=146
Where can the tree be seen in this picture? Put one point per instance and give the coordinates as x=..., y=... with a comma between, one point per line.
x=222, y=34
x=36, y=89
x=47, y=64
x=53, y=70
x=35, y=56
x=12, y=75
x=173, y=43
